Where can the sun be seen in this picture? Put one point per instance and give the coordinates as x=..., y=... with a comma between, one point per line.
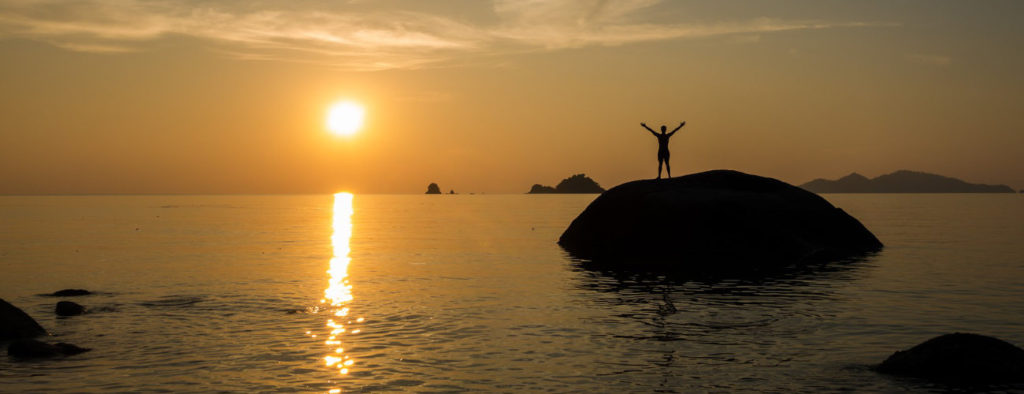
x=345, y=118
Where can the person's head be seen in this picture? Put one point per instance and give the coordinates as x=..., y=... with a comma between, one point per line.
x=663, y=128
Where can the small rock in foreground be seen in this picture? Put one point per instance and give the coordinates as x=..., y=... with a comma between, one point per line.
x=31, y=348
x=68, y=308
x=959, y=357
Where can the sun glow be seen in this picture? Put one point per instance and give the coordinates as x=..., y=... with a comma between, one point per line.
x=345, y=118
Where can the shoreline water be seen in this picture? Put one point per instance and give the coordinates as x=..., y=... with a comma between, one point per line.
x=473, y=294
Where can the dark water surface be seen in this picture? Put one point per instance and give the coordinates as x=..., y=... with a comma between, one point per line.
x=471, y=293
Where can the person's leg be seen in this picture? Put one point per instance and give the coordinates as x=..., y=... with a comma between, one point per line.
x=660, y=160
x=668, y=168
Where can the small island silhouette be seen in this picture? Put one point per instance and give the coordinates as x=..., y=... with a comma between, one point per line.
x=433, y=188
x=902, y=181
x=578, y=183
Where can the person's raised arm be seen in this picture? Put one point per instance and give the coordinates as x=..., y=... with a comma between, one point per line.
x=648, y=128
x=677, y=128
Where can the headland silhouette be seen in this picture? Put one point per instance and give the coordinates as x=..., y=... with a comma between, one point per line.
x=902, y=181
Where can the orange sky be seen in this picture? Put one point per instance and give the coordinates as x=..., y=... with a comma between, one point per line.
x=493, y=96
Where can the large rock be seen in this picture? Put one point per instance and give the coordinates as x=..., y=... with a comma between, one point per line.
x=31, y=348
x=433, y=189
x=959, y=357
x=15, y=323
x=713, y=220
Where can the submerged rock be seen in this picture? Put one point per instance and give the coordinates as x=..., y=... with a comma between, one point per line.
x=31, y=348
x=68, y=308
x=959, y=357
x=15, y=323
x=714, y=220
x=70, y=293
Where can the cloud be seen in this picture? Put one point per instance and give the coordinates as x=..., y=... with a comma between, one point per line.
x=355, y=36
x=557, y=37
x=931, y=60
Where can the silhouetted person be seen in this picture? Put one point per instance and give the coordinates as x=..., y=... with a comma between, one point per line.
x=663, y=146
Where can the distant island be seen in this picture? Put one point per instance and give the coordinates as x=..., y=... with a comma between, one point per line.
x=902, y=181
x=433, y=188
x=578, y=183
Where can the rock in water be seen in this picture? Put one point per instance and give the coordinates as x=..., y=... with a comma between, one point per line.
x=70, y=293
x=715, y=220
x=433, y=189
x=68, y=308
x=969, y=358
x=31, y=348
x=15, y=323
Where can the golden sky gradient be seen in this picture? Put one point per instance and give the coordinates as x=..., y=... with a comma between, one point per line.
x=162, y=96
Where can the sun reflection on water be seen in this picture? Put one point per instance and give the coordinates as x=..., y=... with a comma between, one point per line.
x=339, y=291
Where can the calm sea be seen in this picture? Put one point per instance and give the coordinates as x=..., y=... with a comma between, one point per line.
x=471, y=293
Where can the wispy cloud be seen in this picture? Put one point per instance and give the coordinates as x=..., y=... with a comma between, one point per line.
x=358, y=37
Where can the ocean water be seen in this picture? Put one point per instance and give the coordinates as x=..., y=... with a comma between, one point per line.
x=421, y=293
